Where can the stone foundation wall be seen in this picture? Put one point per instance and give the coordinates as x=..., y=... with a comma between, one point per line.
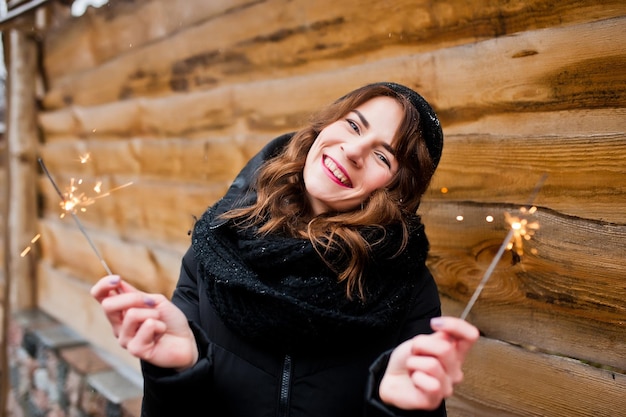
x=56, y=373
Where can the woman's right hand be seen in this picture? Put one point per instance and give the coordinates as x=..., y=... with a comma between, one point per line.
x=149, y=326
x=424, y=370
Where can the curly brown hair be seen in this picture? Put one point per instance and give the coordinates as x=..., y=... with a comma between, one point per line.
x=282, y=205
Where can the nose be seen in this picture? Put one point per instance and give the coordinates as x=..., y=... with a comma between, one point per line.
x=355, y=151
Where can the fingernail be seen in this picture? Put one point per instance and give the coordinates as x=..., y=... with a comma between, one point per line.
x=149, y=302
x=436, y=323
x=115, y=279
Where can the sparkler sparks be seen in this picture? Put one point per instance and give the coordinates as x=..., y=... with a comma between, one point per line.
x=519, y=231
x=84, y=158
x=29, y=247
x=522, y=229
x=73, y=200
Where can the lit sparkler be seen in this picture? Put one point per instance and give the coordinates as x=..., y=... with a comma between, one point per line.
x=520, y=230
x=73, y=200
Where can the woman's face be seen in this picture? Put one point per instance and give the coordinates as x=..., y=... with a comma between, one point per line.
x=353, y=157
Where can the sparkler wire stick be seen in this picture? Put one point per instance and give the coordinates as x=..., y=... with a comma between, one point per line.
x=498, y=255
x=78, y=223
x=487, y=274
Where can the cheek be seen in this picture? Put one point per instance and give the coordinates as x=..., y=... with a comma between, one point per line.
x=313, y=154
x=309, y=166
x=380, y=180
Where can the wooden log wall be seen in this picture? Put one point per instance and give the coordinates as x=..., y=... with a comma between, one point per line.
x=19, y=147
x=174, y=96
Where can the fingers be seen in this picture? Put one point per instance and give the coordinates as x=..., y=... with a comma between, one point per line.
x=110, y=285
x=133, y=321
x=431, y=389
x=122, y=302
x=464, y=333
x=422, y=371
x=430, y=377
x=116, y=297
x=455, y=327
x=441, y=348
x=144, y=340
x=149, y=326
x=105, y=287
x=449, y=345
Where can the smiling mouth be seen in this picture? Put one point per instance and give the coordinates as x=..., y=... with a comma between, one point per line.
x=338, y=173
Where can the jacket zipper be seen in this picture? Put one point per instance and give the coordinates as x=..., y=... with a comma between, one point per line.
x=285, y=384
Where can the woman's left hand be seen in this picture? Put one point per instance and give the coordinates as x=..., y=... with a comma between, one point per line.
x=423, y=370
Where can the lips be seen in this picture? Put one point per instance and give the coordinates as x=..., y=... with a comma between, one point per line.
x=336, y=172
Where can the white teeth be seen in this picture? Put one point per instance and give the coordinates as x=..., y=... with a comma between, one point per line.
x=330, y=164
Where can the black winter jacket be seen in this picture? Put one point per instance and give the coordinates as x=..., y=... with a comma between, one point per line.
x=269, y=348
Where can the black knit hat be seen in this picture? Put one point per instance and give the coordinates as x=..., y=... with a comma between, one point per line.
x=431, y=128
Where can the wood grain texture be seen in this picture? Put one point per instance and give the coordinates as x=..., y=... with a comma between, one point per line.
x=566, y=123
x=586, y=174
x=294, y=37
x=568, y=293
x=19, y=203
x=503, y=380
x=4, y=188
x=556, y=78
x=79, y=45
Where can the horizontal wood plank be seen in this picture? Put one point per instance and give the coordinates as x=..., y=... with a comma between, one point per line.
x=503, y=380
x=585, y=174
x=566, y=123
x=200, y=161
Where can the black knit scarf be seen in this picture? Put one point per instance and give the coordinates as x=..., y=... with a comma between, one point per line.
x=278, y=292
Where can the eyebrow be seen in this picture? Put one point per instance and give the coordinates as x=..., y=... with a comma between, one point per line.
x=363, y=119
x=367, y=125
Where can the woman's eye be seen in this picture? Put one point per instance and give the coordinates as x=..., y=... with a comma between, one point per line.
x=354, y=126
x=384, y=159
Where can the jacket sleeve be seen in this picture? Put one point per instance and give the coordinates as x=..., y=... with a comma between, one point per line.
x=170, y=393
x=426, y=305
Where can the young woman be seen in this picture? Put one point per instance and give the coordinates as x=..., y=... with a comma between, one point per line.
x=305, y=290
